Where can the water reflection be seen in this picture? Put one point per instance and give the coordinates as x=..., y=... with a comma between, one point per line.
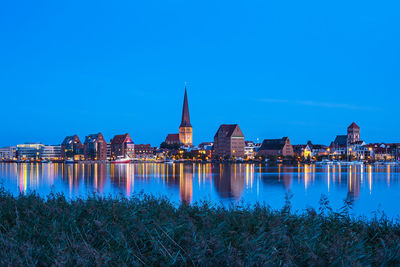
x=215, y=182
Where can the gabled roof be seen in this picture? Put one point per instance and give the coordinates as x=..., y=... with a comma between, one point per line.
x=172, y=138
x=340, y=140
x=120, y=139
x=273, y=144
x=185, y=112
x=70, y=139
x=353, y=125
x=319, y=147
x=92, y=138
x=228, y=129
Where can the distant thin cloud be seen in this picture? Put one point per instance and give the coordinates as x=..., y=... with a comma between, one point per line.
x=317, y=104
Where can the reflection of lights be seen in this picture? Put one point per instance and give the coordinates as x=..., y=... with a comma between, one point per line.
x=388, y=175
x=350, y=178
x=370, y=178
x=329, y=172
x=306, y=175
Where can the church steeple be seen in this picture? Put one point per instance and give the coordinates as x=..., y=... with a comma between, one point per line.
x=185, y=129
x=185, y=112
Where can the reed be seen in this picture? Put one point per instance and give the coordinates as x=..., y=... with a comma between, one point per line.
x=146, y=230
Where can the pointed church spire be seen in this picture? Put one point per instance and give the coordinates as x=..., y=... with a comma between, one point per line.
x=185, y=112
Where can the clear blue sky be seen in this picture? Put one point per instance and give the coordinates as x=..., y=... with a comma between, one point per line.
x=303, y=69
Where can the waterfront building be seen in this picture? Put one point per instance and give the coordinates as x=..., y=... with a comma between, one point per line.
x=250, y=149
x=276, y=147
x=229, y=141
x=109, y=151
x=353, y=133
x=384, y=151
x=29, y=151
x=303, y=151
x=95, y=147
x=144, y=151
x=339, y=145
x=208, y=147
x=395, y=151
x=8, y=153
x=349, y=144
x=50, y=152
x=122, y=146
x=72, y=148
x=319, y=150
x=172, y=139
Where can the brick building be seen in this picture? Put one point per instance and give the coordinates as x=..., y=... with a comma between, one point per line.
x=172, y=139
x=72, y=148
x=276, y=147
x=229, y=141
x=185, y=135
x=122, y=146
x=353, y=133
x=144, y=151
x=95, y=147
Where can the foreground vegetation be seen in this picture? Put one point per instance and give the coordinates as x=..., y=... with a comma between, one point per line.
x=147, y=231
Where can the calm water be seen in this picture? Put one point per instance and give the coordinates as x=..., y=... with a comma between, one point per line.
x=372, y=188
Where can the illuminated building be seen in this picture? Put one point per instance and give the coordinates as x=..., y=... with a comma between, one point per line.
x=144, y=151
x=384, y=151
x=185, y=129
x=172, y=139
x=185, y=136
x=72, y=148
x=8, y=153
x=229, y=141
x=208, y=148
x=249, y=149
x=302, y=151
x=122, y=146
x=30, y=151
x=276, y=147
x=50, y=152
x=95, y=147
x=353, y=133
x=339, y=145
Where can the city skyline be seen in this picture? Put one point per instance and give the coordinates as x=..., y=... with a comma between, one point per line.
x=277, y=69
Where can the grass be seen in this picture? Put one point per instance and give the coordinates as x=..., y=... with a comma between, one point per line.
x=144, y=230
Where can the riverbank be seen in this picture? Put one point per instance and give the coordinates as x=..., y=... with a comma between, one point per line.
x=149, y=231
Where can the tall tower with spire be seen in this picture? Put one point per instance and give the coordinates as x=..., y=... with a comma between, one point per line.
x=185, y=129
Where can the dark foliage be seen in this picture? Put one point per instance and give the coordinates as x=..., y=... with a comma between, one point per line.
x=145, y=230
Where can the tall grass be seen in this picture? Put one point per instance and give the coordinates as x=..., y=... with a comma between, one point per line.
x=145, y=230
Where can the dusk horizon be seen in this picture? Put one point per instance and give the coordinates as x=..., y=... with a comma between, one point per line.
x=305, y=71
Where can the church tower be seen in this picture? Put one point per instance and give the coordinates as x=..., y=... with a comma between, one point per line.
x=185, y=129
x=353, y=133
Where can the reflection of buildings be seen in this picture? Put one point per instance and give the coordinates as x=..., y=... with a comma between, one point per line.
x=185, y=183
x=122, y=176
x=354, y=182
x=229, y=180
x=282, y=176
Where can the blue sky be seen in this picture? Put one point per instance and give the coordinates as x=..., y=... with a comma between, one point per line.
x=303, y=69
